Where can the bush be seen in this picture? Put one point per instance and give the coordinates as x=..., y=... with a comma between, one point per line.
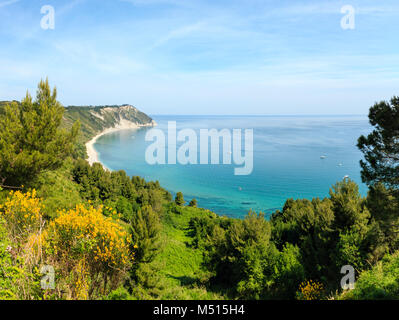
x=179, y=200
x=90, y=249
x=381, y=282
x=193, y=203
x=311, y=290
x=23, y=215
x=18, y=279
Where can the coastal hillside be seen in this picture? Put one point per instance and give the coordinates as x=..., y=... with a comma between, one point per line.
x=95, y=119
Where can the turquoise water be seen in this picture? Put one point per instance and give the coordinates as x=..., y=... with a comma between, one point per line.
x=287, y=160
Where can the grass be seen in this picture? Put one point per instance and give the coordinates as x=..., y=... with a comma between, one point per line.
x=181, y=270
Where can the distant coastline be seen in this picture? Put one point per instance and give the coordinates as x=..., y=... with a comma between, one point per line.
x=123, y=125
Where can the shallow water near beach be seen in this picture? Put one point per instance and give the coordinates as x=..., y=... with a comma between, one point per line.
x=294, y=157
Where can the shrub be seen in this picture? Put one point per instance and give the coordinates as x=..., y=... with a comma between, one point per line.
x=17, y=279
x=193, y=203
x=179, y=200
x=310, y=290
x=381, y=282
x=89, y=248
x=23, y=215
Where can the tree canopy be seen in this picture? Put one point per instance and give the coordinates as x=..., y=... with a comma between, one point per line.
x=381, y=146
x=31, y=140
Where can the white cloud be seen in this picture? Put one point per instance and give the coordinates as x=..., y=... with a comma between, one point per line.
x=7, y=3
x=178, y=33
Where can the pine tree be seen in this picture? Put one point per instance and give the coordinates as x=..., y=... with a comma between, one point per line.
x=145, y=230
x=146, y=237
x=193, y=203
x=31, y=140
x=179, y=200
x=381, y=147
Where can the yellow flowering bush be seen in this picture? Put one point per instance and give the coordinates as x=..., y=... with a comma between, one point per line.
x=88, y=245
x=23, y=214
x=310, y=290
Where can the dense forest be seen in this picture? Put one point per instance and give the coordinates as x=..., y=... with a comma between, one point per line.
x=110, y=236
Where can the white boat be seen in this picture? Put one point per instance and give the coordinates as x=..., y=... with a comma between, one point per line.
x=323, y=157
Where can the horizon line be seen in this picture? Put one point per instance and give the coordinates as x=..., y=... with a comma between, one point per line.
x=263, y=115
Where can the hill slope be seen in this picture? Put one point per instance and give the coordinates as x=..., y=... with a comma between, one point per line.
x=96, y=119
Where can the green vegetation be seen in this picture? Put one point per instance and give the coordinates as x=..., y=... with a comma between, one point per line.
x=381, y=147
x=179, y=200
x=30, y=139
x=111, y=236
x=193, y=203
x=381, y=282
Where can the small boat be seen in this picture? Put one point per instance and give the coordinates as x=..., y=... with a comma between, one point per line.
x=323, y=157
x=346, y=177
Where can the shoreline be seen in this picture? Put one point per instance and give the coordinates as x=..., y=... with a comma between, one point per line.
x=123, y=125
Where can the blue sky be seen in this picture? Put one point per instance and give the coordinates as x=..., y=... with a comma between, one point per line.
x=204, y=57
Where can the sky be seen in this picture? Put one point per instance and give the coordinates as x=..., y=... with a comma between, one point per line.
x=204, y=56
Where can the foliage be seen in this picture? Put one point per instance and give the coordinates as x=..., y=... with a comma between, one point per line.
x=310, y=290
x=381, y=282
x=145, y=231
x=57, y=190
x=193, y=203
x=201, y=227
x=283, y=273
x=383, y=204
x=117, y=190
x=179, y=200
x=381, y=147
x=96, y=246
x=20, y=224
x=119, y=294
x=330, y=233
x=9, y=273
x=23, y=215
x=30, y=139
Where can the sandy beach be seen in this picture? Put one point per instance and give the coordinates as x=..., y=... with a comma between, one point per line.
x=123, y=125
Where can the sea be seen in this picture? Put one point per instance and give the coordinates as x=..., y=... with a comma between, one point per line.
x=293, y=157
